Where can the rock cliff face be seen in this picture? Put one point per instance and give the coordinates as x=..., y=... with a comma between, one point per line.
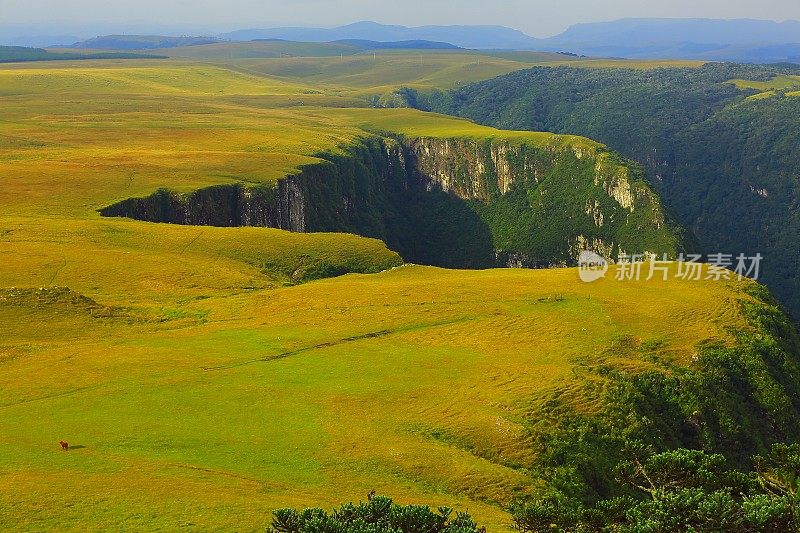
x=281, y=206
x=548, y=202
x=455, y=202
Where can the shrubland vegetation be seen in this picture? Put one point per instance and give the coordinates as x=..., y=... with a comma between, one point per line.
x=378, y=515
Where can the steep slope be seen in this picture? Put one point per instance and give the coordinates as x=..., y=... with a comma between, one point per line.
x=489, y=198
x=226, y=148
x=717, y=142
x=236, y=149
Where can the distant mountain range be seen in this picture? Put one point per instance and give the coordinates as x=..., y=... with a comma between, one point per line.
x=744, y=40
x=482, y=37
x=735, y=40
x=152, y=42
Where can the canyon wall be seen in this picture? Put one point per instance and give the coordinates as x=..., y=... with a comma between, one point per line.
x=454, y=202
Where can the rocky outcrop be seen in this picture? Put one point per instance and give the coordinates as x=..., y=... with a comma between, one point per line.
x=456, y=202
x=280, y=207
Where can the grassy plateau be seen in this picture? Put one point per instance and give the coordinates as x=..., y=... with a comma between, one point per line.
x=200, y=386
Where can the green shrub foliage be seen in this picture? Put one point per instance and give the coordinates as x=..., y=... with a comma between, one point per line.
x=679, y=491
x=378, y=515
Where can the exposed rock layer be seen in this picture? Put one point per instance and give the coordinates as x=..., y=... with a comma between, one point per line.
x=456, y=202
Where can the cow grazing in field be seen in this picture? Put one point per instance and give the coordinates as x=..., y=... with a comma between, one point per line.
x=64, y=445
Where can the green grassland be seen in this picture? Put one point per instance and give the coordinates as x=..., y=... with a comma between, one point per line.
x=201, y=384
x=209, y=403
x=781, y=82
x=385, y=70
x=551, y=59
x=16, y=54
x=261, y=49
x=365, y=72
x=124, y=131
x=75, y=139
x=785, y=83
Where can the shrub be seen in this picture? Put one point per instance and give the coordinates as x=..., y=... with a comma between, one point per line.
x=378, y=515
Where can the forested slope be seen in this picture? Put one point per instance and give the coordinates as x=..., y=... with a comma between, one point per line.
x=718, y=142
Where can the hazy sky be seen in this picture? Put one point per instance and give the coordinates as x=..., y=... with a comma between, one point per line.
x=537, y=17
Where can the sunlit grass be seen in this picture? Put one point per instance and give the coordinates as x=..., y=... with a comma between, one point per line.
x=416, y=381
x=776, y=83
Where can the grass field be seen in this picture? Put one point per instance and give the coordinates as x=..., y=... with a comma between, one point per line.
x=210, y=405
x=776, y=83
x=261, y=49
x=76, y=139
x=768, y=88
x=545, y=59
x=344, y=69
x=385, y=70
x=199, y=387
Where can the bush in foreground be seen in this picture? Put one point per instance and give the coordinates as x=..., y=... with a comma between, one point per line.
x=378, y=515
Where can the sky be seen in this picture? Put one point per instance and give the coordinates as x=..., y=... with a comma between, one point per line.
x=540, y=18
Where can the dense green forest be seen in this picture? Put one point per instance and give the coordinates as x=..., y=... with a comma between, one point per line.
x=724, y=161
x=682, y=490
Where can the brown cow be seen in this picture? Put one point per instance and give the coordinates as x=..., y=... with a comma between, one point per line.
x=64, y=445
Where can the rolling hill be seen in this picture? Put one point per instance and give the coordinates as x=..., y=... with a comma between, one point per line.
x=483, y=37
x=152, y=42
x=378, y=74
x=410, y=179
x=741, y=40
x=140, y=42
x=17, y=54
x=757, y=41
